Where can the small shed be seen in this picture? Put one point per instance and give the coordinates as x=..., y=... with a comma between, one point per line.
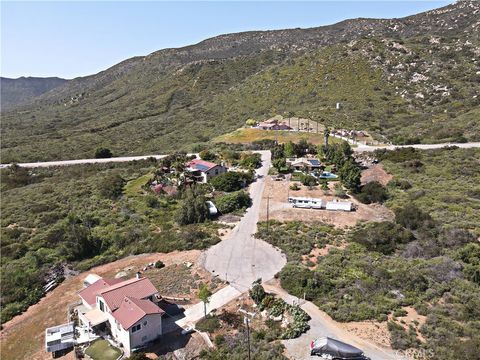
x=90, y=279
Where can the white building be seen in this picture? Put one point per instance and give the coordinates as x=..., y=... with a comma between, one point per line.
x=339, y=205
x=205, y=170
x=126, y=309
x=59, y=338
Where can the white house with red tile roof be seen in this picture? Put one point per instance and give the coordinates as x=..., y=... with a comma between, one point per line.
x=125, y=308
x=206, y=169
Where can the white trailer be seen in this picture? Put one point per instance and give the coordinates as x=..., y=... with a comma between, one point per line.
x=306, y=203
x=339, y=205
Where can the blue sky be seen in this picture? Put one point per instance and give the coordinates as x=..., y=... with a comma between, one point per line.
x=69, y=39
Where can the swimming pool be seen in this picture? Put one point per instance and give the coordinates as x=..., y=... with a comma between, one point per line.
x=328, y=175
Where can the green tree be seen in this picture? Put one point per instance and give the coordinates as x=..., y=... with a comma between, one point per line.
x=251, y=161
x=279, y=164
x=207, y=155
x=350, y=175
x=250, y=122
x=289, y=149
x=234, y=201
x=204, y=294
x=326, y=135
x=193, y=209
x=229, y=181
x=103, y=153
x=257, y=292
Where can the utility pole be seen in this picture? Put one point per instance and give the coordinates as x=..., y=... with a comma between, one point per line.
x=247, y=322
x=268, y=214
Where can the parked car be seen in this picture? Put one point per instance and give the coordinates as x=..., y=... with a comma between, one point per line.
x=188, y=330
x=331, y=349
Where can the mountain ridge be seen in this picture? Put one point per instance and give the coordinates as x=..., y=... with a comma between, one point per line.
x=185, y=95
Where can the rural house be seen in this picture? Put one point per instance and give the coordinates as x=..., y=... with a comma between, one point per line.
x=301, y=164
x=273, y=124
x=125, y=309
x=205, y=170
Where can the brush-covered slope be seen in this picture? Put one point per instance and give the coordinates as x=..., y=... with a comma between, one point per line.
x=15, y=92
x=409, y=80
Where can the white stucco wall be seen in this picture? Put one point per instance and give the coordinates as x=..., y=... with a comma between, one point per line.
x=148, y=332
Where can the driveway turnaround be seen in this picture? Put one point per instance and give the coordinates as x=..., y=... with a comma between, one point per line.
x=241, y=259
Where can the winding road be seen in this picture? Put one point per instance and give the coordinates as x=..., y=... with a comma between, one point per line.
x=358, y=148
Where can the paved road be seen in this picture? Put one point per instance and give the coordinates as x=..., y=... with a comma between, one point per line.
x=359, y=148
x=84, y=161
x=241, y=259
x=362, y=148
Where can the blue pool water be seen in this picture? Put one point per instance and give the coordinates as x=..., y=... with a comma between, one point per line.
x=328, y=175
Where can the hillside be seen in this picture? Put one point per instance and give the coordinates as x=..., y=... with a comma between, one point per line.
x=15, y=92
x=413, y=79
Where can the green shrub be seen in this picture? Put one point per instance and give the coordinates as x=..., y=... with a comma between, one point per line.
x=229, y=181
x=103, y=153
x=372, y=192
x=219, y=340
x=411, y=217
x=294, y=187
x=159, y=264
x=207, y=155
x=250, y=161
x=383, y=237
x=208, y=324
x=232, y=202
x=308, y=180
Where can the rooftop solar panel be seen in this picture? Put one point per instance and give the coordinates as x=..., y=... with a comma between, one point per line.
x=314, y=162
x=201, y=167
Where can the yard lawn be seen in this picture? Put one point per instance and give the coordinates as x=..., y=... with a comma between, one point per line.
x=102, y=350
x=134, y=187
x=247, y=135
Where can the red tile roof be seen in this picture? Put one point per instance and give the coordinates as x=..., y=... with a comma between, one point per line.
x=201, y=165
x=132, y=310
x=90, y=293
x=137, y=288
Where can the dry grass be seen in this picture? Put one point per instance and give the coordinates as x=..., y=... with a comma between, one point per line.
x=281, y=210
x=247, y=135
x=22, y=337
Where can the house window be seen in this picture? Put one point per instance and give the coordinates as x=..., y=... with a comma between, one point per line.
x=144, y=323
x=136, y=328
x=216, y=171
x=101, y=305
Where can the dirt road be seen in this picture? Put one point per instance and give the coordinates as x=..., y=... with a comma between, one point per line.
x=322, y=325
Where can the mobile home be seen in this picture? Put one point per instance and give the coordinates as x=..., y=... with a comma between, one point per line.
x=306, y=203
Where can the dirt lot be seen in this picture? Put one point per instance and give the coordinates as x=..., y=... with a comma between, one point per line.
x=22, y=337
x=281, y=210
x=376, y=172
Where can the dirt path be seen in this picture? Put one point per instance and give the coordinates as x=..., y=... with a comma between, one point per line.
x=323, y=325
x=376, y=172
x=23, y=336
